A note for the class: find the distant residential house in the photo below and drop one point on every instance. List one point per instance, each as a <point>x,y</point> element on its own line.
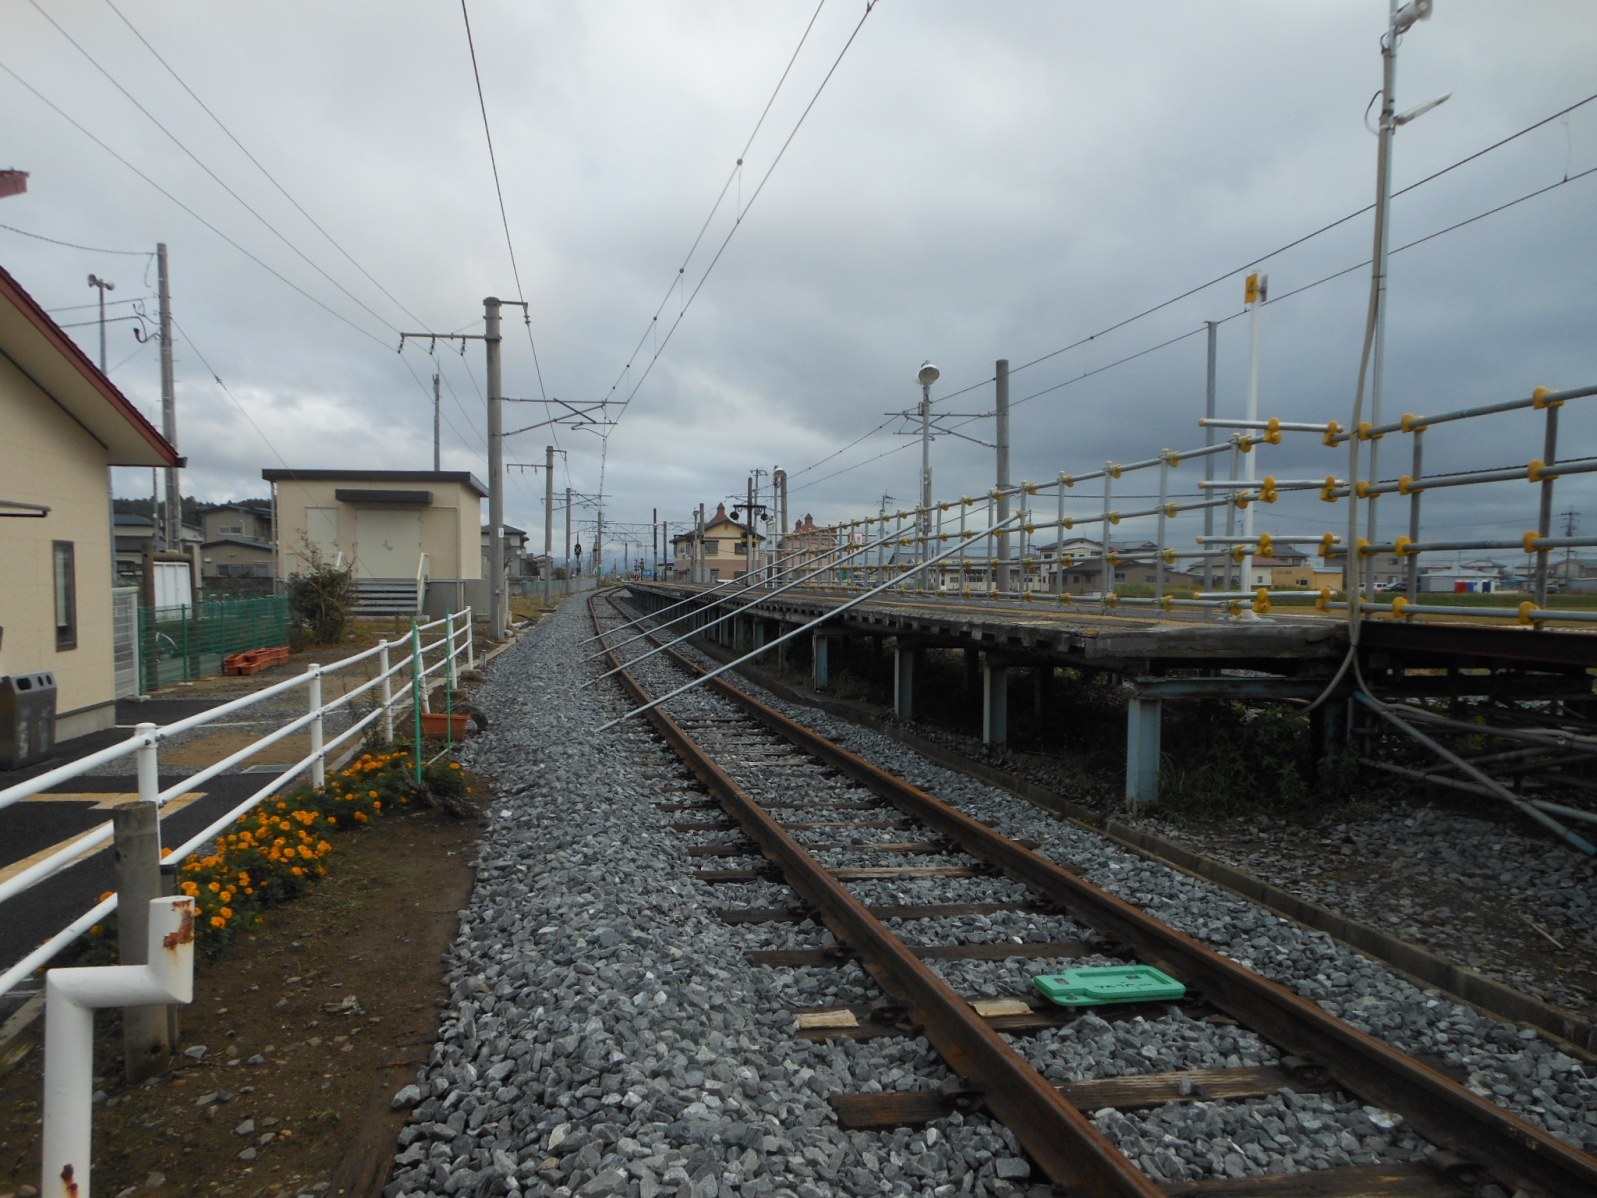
<point>411,537</point>
<point>517,564</point>
<point>65,424</point>
<point>717,553</point>
<point>239,550</point>
<point>135,544</point>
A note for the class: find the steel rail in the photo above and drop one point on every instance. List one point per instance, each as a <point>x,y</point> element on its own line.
<point>1057,1136</point>
<point>1512,1148</point>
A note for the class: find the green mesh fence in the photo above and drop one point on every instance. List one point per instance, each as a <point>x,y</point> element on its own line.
<point>179,644</point>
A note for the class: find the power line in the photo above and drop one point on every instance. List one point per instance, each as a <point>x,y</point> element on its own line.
<point>1194,332</point>
<point>256,162</point>
<point>217,179</point>
<point>1293,244</point>
<point>71,245</point>
<point>38,95</point>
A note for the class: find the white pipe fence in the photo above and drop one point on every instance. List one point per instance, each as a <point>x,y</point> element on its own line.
<point>395,684</point>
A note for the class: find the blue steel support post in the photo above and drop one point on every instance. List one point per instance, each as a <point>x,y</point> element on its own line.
<point>904,657</point>
<point>994,703</point>
<point>1142,749</point>
<point>821,668</point>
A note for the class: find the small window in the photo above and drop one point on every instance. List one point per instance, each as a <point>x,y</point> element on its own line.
<point>711,548</point>
<point>66,596</point>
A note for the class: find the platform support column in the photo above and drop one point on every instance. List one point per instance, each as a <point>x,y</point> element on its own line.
<point>994,703</point>
<point>758,634</point>
<point>1142,749</point>
<point>905,658</point>
<point>820,670</point>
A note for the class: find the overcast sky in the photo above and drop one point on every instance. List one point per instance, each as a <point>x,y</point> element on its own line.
<point>975,181</point>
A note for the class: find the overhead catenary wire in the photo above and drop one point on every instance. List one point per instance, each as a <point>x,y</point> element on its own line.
<point>1293,244</point>
<point>653,324</point>
<point>499,191</point>
<point>1321,281</point>
<point>1279,298</point>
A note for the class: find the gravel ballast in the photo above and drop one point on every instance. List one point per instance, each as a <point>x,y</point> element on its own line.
<point>605,1033</point>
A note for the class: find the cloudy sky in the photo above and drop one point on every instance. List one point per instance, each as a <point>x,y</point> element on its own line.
<point>935,179</point>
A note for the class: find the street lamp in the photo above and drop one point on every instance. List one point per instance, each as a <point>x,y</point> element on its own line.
<point>928,375</point>
<point>103,286</point>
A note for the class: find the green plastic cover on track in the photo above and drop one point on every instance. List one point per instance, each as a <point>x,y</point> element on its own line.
<point>1095,985</point>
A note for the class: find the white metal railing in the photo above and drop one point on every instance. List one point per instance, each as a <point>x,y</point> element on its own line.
<point>398,682</point>
<point>422,574</point>
<point>1222,563</point>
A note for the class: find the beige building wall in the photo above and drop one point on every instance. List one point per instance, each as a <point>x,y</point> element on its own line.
<point>46,457</point>
<point>450,525</point>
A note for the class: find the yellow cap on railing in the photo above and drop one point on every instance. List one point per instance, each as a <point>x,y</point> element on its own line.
<point>1532,542</point>
<point>1323,603</point>
<point>1327,544</point>
<point>1261,601</point>
<point>1330,485</point>
<point>1266,545</point>
<point>1268,491</point>
<point>1400,608</point>
<point>1412,423</point>
<point>1272,431</point>
<point>1333,433</point>
<point>1168,602</point>
<point>1534,470</point>
<point>1405,484</point>
<point>1404,547</point>
<point>1526,612</point>
<point>1538,399</point>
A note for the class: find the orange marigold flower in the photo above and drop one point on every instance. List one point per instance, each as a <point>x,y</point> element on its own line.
<point>361,816</point>
<point>213,887</point>
<point>227,913</point>
<point>371,794</point>
<point>218,922</point>
<point>297,871</point>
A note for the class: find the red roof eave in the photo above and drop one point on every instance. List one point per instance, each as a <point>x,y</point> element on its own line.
<point>11,290</point>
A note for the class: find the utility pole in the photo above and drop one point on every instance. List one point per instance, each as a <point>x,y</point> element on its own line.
<point>567,558</point>
<point>437,448</point>
<point>654,539</point>
<point>496,473</point>
<point>103,286</point>
<point>1001,441</point>
<point>748,540</point>
<point>174,500</point>
<point>1208,461</point>
<point>1568,517</point>
<point>1256,292</point>
<point>928,375</point>
<point>548,524</point>
<point>596,560</point>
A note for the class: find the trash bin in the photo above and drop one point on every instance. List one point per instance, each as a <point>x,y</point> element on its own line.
<point>27,718</point>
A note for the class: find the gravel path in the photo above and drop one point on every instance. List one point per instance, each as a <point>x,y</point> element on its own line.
<point>605,1033</point>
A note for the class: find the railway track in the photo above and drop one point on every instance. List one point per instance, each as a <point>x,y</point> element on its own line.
<point>781,803</point>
